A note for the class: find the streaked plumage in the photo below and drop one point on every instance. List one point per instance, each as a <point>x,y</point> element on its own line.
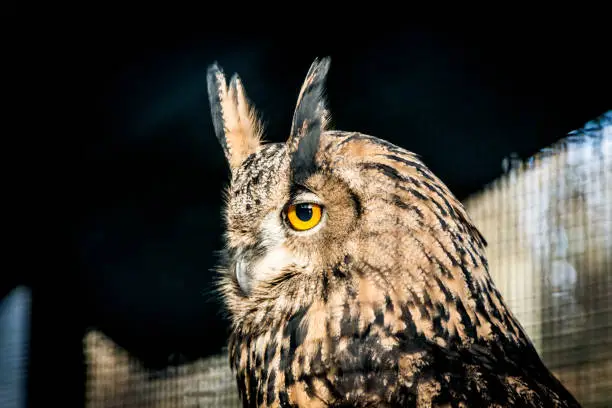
<point>386,302</point>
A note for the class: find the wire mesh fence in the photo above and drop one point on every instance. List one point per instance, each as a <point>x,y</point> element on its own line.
<point>548,222</point>
<point>115,379</point>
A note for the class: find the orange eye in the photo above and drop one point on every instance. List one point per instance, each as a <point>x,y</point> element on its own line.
<point>303,216</point>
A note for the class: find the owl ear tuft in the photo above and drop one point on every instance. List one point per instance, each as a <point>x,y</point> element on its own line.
<point>309,119</point>
<point>234,119</point>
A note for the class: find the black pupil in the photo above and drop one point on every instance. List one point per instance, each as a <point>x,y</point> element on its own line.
<point>303,211</point>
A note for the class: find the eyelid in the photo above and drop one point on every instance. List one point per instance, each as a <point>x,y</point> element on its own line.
<point>306,197</point>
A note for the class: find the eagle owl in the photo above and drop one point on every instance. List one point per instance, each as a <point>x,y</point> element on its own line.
<point>353,277</point>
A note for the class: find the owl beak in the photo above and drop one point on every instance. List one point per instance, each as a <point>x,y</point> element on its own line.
<point>242,273</point>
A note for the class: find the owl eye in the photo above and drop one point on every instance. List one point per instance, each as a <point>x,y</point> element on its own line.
<point>303,216</point>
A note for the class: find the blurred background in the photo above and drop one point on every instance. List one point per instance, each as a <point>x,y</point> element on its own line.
<point>120,178</point>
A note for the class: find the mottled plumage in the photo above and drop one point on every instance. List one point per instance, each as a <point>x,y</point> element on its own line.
<point>386,302</point>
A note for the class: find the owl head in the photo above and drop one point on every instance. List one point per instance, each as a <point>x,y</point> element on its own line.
<point>333,236</point>
<point>324,200</point>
